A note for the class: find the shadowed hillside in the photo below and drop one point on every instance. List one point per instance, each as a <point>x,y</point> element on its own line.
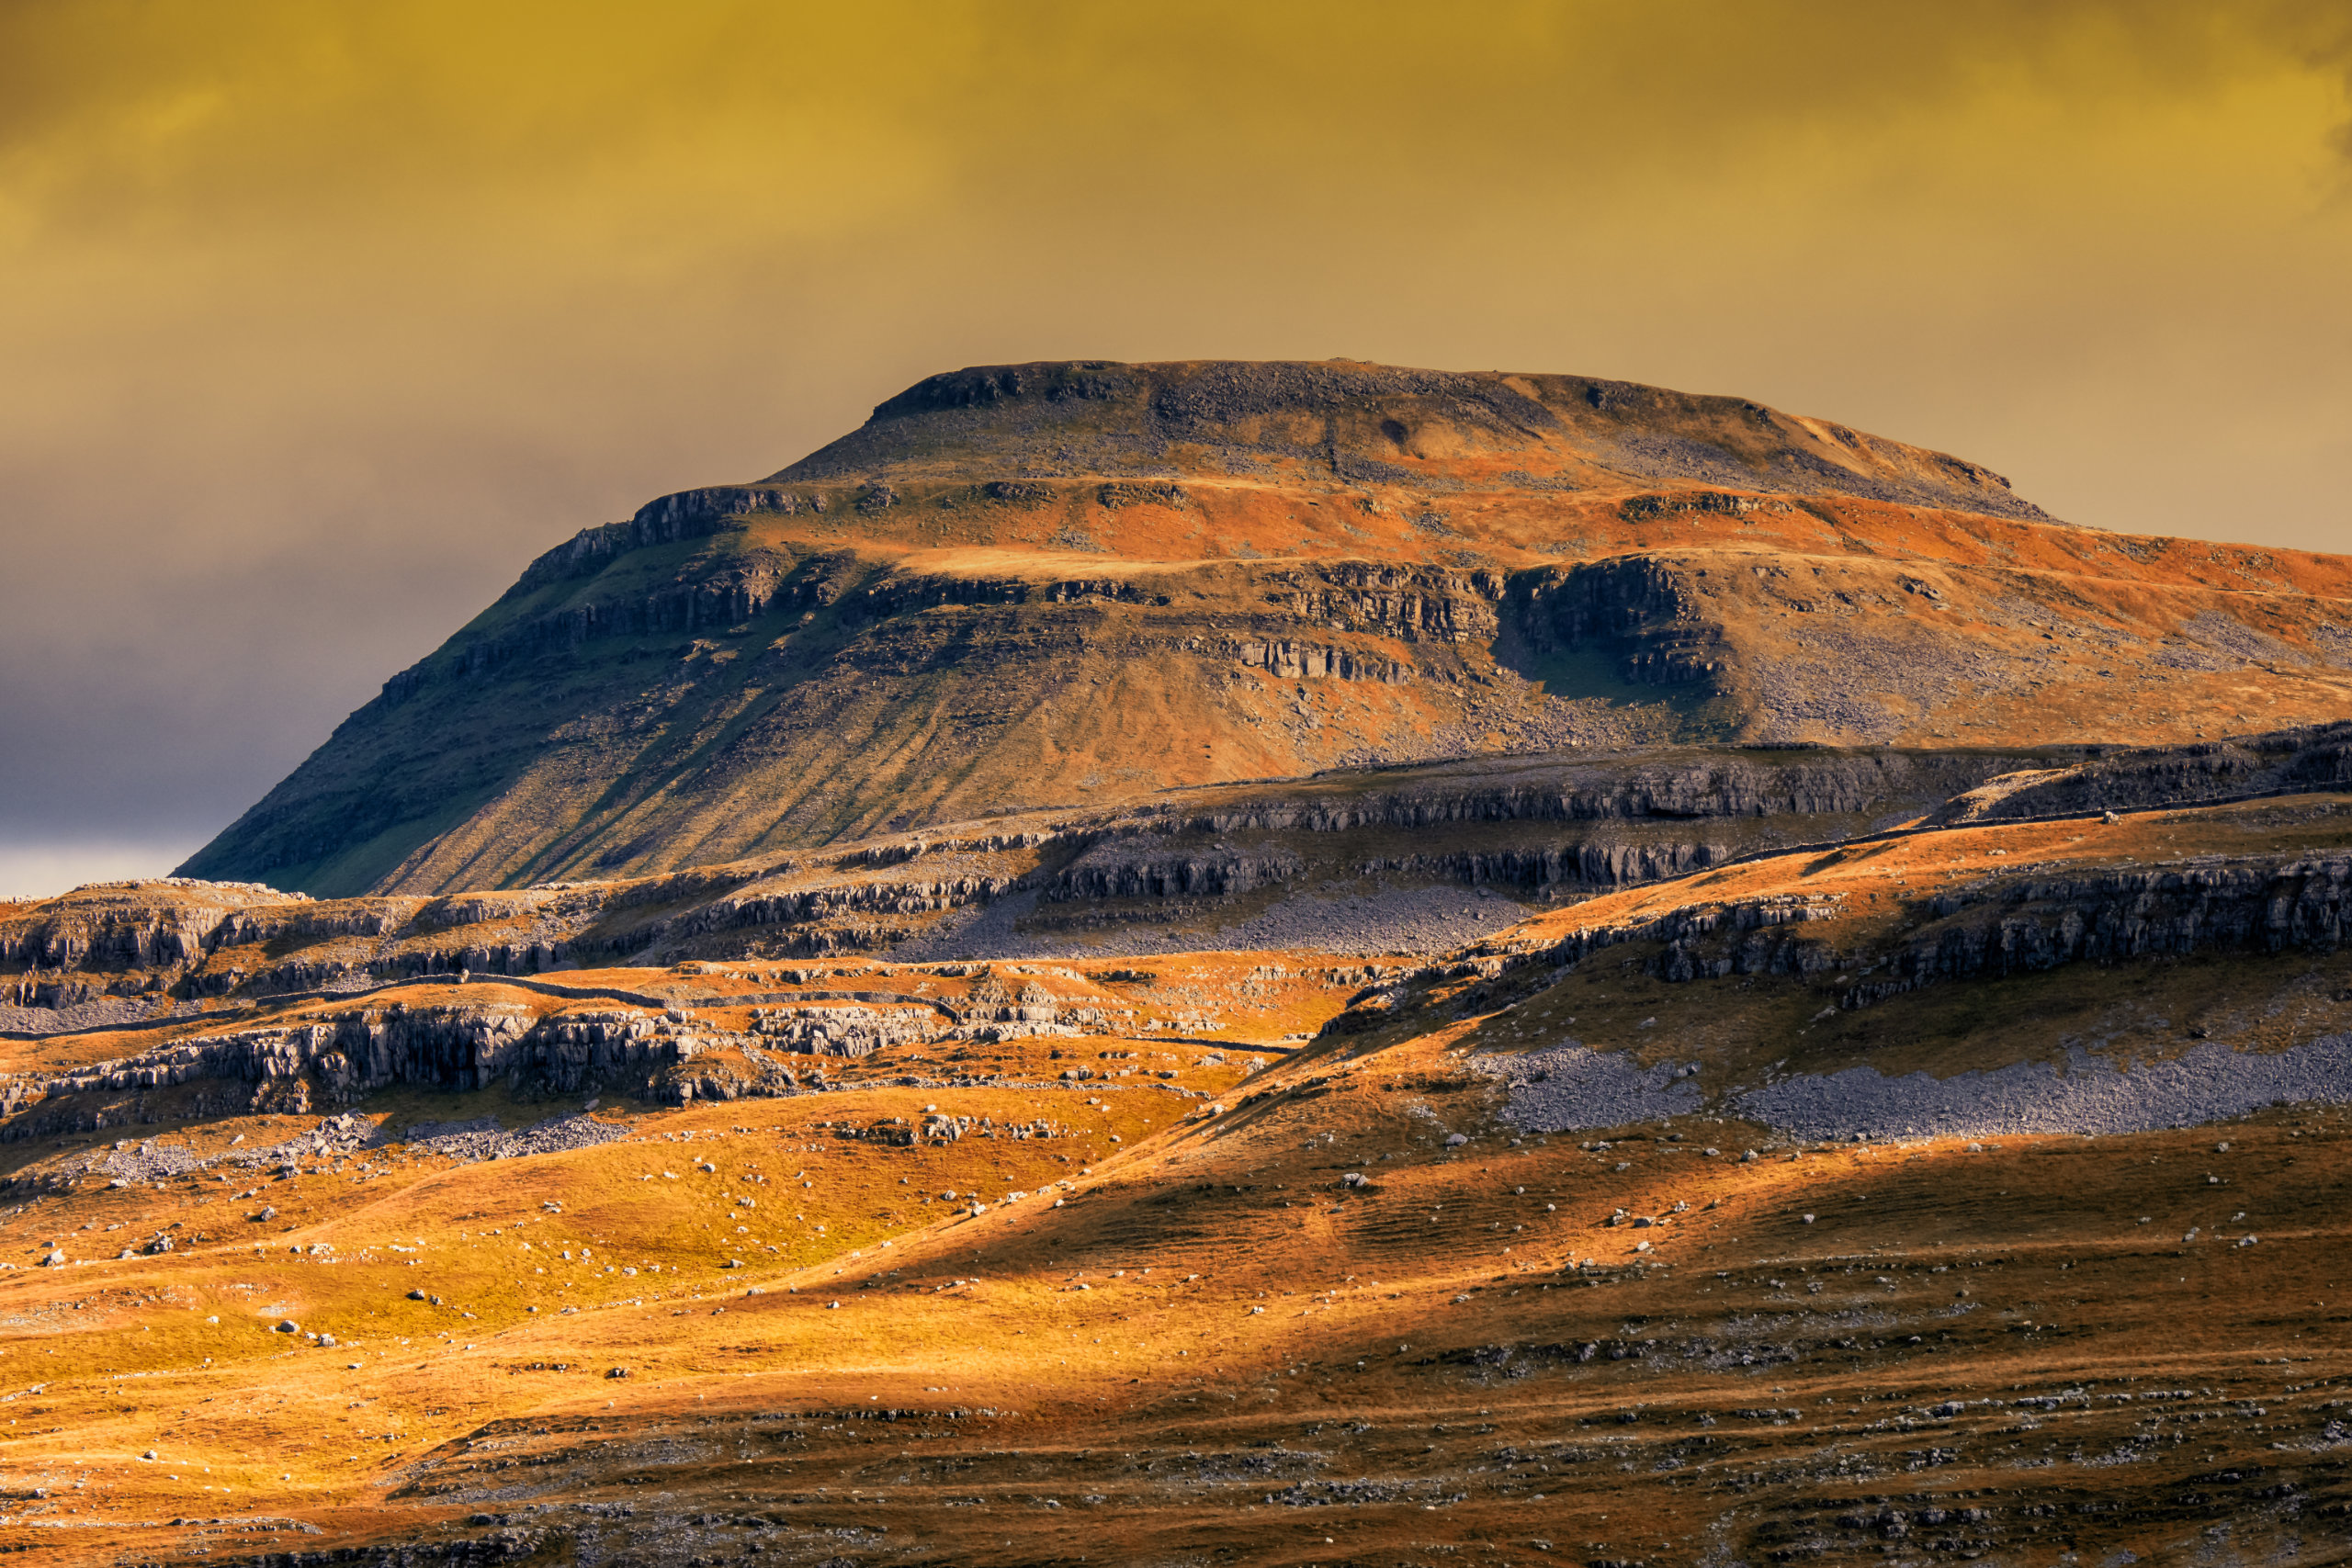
<point>1032,586</point>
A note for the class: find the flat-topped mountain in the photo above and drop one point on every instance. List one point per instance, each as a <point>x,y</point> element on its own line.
<point>1313,424</point>
<point>1028,586</point>
<point>1473,926</point>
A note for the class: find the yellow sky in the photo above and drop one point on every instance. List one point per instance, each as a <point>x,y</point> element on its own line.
<point>320,319</point>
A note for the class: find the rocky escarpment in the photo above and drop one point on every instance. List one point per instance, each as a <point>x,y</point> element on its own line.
<point>1566,830</point>
<point>1540,828</point>
<point>2006,927</point>
<point>861,593</point>
<point>1685,784</point>
<point>668,1055</point>
<point>1548,828</point>
<point>688,515</point>
<point>2267,905</point>
<point>1998,928</point>
<point>163,924</point>
<point>2317,757</point>
<point>1650,617</point>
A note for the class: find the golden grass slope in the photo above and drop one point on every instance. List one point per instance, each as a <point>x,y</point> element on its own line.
<point>1212,1345</point>
<point>1203,1340</point>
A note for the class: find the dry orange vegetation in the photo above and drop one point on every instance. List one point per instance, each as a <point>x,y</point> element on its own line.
<point>1199,1341</point>
<point>1458,1356</point>
<point>1196,964</point>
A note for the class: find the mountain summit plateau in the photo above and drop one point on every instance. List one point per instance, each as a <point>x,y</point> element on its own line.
<point>1026,586</point>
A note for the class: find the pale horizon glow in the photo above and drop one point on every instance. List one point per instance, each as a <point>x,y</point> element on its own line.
<point>34,871</point>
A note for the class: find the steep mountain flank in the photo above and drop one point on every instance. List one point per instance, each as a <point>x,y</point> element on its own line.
<point>1020,587</point>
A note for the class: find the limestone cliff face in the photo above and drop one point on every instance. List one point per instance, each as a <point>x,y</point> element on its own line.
<point>142,926</point>
<point>1030,586</point>
<point>2313,759</point>
<point>2006,928</point>
<point>1541,829</point>
<point>2001,927</point>
<point>354,1053</point>
<point>2264,905</point>
<point>549,1043</point>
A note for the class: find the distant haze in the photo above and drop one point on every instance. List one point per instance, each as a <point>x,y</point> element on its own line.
<point>319,321</point>
<point>38,866</point>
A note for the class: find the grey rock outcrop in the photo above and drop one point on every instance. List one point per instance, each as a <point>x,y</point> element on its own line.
<point>2204,1083</point>
<point>2310,759</point>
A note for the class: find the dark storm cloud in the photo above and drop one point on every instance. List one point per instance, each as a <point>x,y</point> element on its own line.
<point>319,321</point>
